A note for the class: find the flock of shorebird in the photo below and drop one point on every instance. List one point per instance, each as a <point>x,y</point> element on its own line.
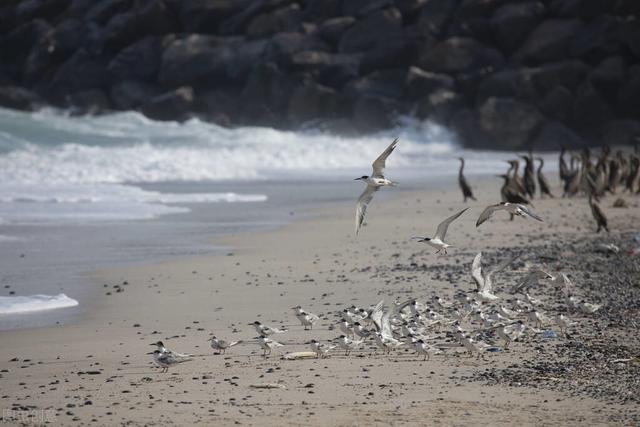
<point>492,318</point>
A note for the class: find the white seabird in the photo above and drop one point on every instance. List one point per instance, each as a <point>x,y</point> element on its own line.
<point>222,345</point>
<point>374,182</point>
<point>166,360</point>
<point>484,284</point>
<point>513,208</point>
<point>306,319</point>
<point>437,241</point>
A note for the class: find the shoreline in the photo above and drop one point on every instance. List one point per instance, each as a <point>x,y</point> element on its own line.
<point>317,263</point>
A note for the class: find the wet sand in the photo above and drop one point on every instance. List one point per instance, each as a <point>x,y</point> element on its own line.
<point>97,371</point>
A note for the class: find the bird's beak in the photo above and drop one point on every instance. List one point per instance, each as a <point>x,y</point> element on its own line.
<point>152,344</point>
<point>151,352</point>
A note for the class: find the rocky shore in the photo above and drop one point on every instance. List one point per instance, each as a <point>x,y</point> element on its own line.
<point>502,74</point>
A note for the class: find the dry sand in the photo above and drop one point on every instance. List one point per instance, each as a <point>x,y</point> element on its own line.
<point>97,371</point>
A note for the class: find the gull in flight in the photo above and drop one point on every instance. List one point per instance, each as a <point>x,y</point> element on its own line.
<point>513,208</point>
<point>166,360</point>
<point>374,182</point>
<point>437,241</point>
<point>222,345</point>
<point>307,319</point>
<point>484,284</point>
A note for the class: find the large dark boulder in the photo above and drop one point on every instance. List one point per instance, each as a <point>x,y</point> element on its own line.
<point>204,16</point>
<point>420,83</point>
<point>321,10</point>
<point>282,47</point>
<point>478,8</point>
<point>331,69</point>
<point>590,108</point>
<point>508,83</point>
<point>629,34</point>
<point>16,46</point>
<point>174,105</point>
<point>266,95</point>
<point>237,24</point>
<point>608,76</point>
<point>332,29</point>
<point>19,98</point>
<point>460,54</point>
<point>146,17</point>
<point>549,41</point>
<point>553,135</point>
<point>512,22</point>
<point>436,16</point>
<point>139,61</point>
<point>397,50</point>
<point>208,60</point>
<point>564,73</point>
<point>596,40</point>
<point>382,83</point>
<point>440,105</point>
<point>129,94</point>
<point>372,31</point>
<point>621,132</point>
<point>508,122</point>
<point>311,101</point>
<point>557,104</point>
<point>362,8</point>
<point>101,12</point>
<point>80,72</point>
<point>629,95</point>
<point>585,9</point>
<point>285,19</point>
<point>88,102</point>
<point>39,9</point>
<point>373,113</point>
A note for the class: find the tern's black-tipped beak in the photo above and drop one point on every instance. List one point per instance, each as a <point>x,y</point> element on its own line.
<point>151,352</point>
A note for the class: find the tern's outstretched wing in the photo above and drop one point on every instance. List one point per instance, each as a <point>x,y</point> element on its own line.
<point>385,329</point>
<point>476,272</point>
<point>530,280</point>
<point>363,202</point>
<point>530,213</point>
<point>488,282</point>
<point>379,164</point>
<point>487,212</point>
<point>441,232</point>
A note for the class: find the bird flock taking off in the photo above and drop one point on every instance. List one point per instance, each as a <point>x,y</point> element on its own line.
<point>478,320</point>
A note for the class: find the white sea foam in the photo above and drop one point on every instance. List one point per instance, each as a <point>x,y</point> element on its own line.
<point>27,304</point>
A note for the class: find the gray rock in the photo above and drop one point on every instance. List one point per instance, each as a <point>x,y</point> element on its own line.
<point>311,101</point>
<point>621,132</point>
<point>508,122</point>
<point>209,60</point>
<point>372,31</point>
<point>554,135</point>
<point>440,106</point>
<point>420,83</point>
<point>397,50</point>
<point>608,76</point>
<point>139,61</point>
<point>174,105</point>
<point>129,95</point>
<point>15,46</point>
<point>104,10</point>
<point>237,23</point>
<point>629,95</point>
<point>332,29</point>
<point>285,19</point>
<point>549,41</point>
<point>266,95</point>
<point>565,73</point>
<point>475,8</point>
<point>282,47</point>
<point>39,9</point>
<point>580,8</point>
<point>204,16</point>
<point>374,113</point>
<point>88,102</point>
<point>460,54</point>
<point>508,83</point>
<point>321,10</point>
<point>590,109</point>
<point>80,72</point>
<point>436,16</point>
<point>596,39</point>
<point>19,98</point>
<point>331,69</point>
<point>147,17</point>
<point>382,83</point>
<point>362,8</point>
<point>629,35</point>
<point>512,22</point>
<point>557,104</point>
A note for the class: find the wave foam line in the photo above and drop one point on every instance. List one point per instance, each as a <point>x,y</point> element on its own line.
<point>28,304</point>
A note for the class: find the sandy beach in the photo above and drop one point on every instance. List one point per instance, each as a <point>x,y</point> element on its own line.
<point>98,371</point>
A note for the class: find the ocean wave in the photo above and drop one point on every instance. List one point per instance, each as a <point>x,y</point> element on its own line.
<point>127,147</point>
<point>27,304</point>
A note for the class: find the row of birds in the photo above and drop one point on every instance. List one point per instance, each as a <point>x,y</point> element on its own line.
<point>411,324</point>
<point>581,176</point>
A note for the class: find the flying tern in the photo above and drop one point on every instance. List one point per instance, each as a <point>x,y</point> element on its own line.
<point>437,241</point>
<point>513,208</point>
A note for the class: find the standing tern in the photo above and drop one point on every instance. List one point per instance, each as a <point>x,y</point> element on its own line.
<point>348,344</point>
<point>513,208</point>
<point>321,350</point>
<point>374,182</point>
<point>267,344</point>
<point>178,356</point>
<point>166,360</point>
<point>222,345</point>
<point>437,241</point>
<point>307,319</point>
<point>266,330</point>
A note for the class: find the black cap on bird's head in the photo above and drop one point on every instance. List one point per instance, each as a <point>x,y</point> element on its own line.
<point>342,336</point>
<point>362,178</point>
<point>420,341</point>
<point>257,322</point>
<point>159,344</point>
